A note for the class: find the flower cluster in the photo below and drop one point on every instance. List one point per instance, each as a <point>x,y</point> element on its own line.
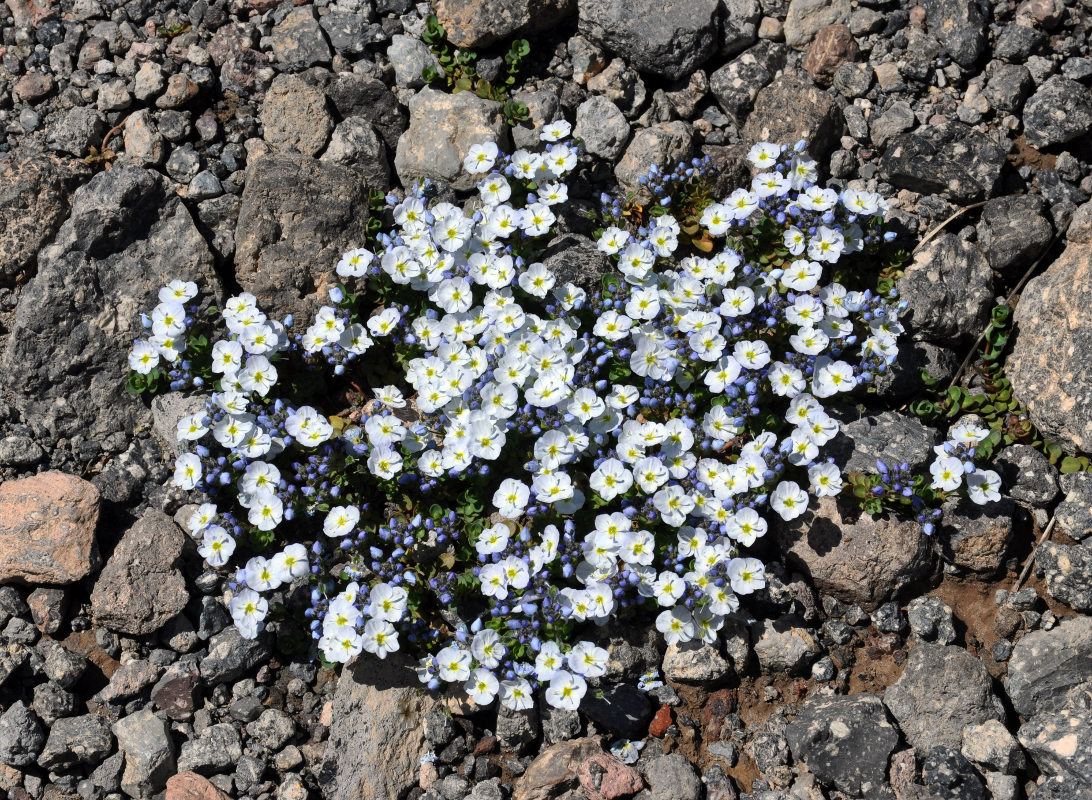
<point>552,455</point>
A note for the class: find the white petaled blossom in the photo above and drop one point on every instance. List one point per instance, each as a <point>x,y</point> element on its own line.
<point>467,417</point>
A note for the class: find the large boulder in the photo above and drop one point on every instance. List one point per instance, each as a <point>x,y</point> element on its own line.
<point>1051,362</point>
<point>127,236</point>
<point>140,588</point>
<point>952,160</point>
<point>376,740</point>
<point>47,529</point>
<point>483,22</point>
<point>671,38</point>
<point>298,216</point>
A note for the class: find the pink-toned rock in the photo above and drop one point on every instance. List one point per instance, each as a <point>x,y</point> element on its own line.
<point>428,776</point>
<point>554,771</point>
<point>604,777</point>
<point>191,786</point>
<point>47,529</point>
<point>833,46</point>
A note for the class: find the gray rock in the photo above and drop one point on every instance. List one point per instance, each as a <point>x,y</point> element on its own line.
<point>517,729</point>
<point>107,775</point>
<point>1013,232</point>
<point>203,186</point>
<point>769,750</point>
<point>672,777</point>
<point>664,144</point>
<point>790,109</point>
<point>356,144</point>
<point>889,436</point>
<point>807,17</point>
<point>543,107</point>
<point>961,26</point>
<point>949,291</point>
<point>167,410</point>
<point>1009,86</point>
<point>20,451</point>
<point>76,741</point>
<point>931,620</point>
<point>977,537</point>
<point>1028,476</point>
<point>993,748</point>
<point>1016,42</point>
<point>410,57</point>
<point>273,729</point>
<point>670,38</point>
<point>360,96</point>
<point>902,380</point>
<point>376,741</point>
<point>145,146</point>
<point>286,259</point>
<point>602,126</point>
<point>481,24</point>
<point>785,645</point>
<point>230,656</point>
<point>1074,513</point>
<point>349,32</point>
<point>852,80</point>
<point>294,117</point>
<point>61,666</point>
<point>149,753</point>
<point>75,132</point>
<point>1067,572</point>
<point>126,237</point>
<point>51,702</point>
<point>216,749</point>
<point>951,160</point>
<point>148,82</point>
<point>141,587</point>
<point>250,772</point>
<point>942,690</point>
<point>1059,112</point>
<point>695,662</point>
<point>298,41</point>
<point>889,618</point>
<point>442,129</point>
<point>623,709</point>
<point>898,118</point>
<point>844,741</point>
<point>21,736</point>
<point>1050,365</point>
<point>559,724</point>
<point>739,26</point>
<point>736,85</point>
<point>576,259</point>
<point>1060,743</point>
<point>130,680</point>
<point>1045,664</point>
<point>183,164</point>
<point>948,775</point>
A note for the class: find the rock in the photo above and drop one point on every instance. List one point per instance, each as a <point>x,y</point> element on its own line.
<point>1067,572</point>
<point>624,87</point>
<point>664,144</point>
<point>140,588</point>
<point>216,749</point>
<point>376,741</point>
<point>948,775</point>
<point>298,42</point>
<point>844,741</point>
<point>602,126</point>
<point>1050,365</point>
<point>574,258</point>
<point>856,557</point>
<point>1009,86</point>
<point>442,129</point>
<point>483,23</point>
<point>898,118</point>
<point>51,702</point>
<point>976,537</point>
<point>130,680</point>
<point>604,777</point>
<point>833,46</point>
<point>144,144</point>
<point>62,666</point>
<point>931,620</point>
<point>230,656</point>
<point>951,160</point>
<point>76,740</point>
<point>148,82</point>
<point>622,710</point>
<point>127,236</point>
<point>559,724</point>
<point>33,87</point>
<point>287,259</point>
<point>167,410</point>
<point>1045,664</point>
<point>790,109</point>
<point>410,57</point>
<point>1028,477</point>
<point>1059,112</point>
<point>75,132</point>
<point>1060,743</point>
<point>203,186</point>
<point>961,27</point>
<point>34,195</point>
<point>180,91</point>
<point>738,26</point>
<point>942,690</point>
<point>47,608</point>
<point>294,117</point>
<point>806,18</point>
<point>785,645</point>
<point>543,107</point>
<point>21,736</point>
<point>889,436</point>
<point>177,691</point>
<point>736,85</point>
<point>47,529</point>
<point>517,729</point>
<point>949,289</point>
<point>993,748</point>
<point>1074,513</point>
<point>360,96</point>
<point>149,753</point>
<point>670,39</point>
<point>1013,232</point>
<point>673,777</point>
<point>852,80</point>
<point>902,380</point>
<point>191,786</point>
<point>554,770</point>
<point>356,144</point>
<point>273,729</point>
<point>695,662</point>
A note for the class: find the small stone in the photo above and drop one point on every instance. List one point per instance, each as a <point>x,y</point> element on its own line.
<point>33,87</point>
<point>931,620</point>
<point>602,126</point>
<point>889,618</point>
<point>72,741</point>
<point>149,753</point>
<point>1067,572</point>
<point>143,141</point>
<point>949,290</point>
<point>1059,112</point>
<point>833,46</point>
<point>664,144</point>
<point>61,666</point>
<point>114,96</point>
<point>47,608</point>
<point>806,18</point>
<point>356,144</point>
<point>230,656</point>
<point>1074,513</point>
<point>790,109</point>
<point>1060,744</point>
<point>672,777</point>
<point>992,747</point>
<point>180,91</point>
<point>22,736</point>
<point>129,681</point>
<point>203,186</point>
<point>950,776</point>
<point>298,41</point>
<point>604,777</point>
<point>148,82</point>
<point>294,116</point>
<point>785,645</point>
<point>554,771</point>
<point>273,729</point>
<point>191,786</point>
<point>410,57</point>
<point>216,749</point>
<point>852,80</point>
<point>482,23</point>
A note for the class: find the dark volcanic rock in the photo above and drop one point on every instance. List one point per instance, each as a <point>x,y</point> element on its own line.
<point>1047,664</point>
<point>481,24</point>
<point>791,109</point>
<point>1013,232</point>
<point>951,160</point>
<point>1067,571</point>
<point>1059,112</point>
<point>949,291</point>
<point>961,26</point>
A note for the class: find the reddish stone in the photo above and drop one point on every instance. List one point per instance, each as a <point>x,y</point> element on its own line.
<point>834,45</point>
<point>47,529</point>
<point>47,607</point>
<point>487,744</point>
<point>604,777</point>
<point>661,722</point>
<point>191,786</point>
<point>717,707</point>
<point>33,87</point>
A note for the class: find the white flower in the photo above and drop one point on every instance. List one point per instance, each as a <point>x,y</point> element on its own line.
<point>983,486</point>
<point>143,358</point>
<point>481,158</point>
<point>826,479</point>
<point>248,609</point>
<point>511,498</point>
<point>676,624</point>
<point>266,511</point>
<point>516,694</point>
<point>763,154</point>
<point>566,690</point>
<point>453,664</point>
<point>548,661</point>
<point>341,645</point>
<point>482,686</point>
<point>487,648</point>
<point>340,521</point>
<point>588,659</point>
<point>947,472</point>
<point>291,563</point>
<point>387,602</point>
<point>380,637</point>
<point>746,575</point>
<point>788,500</point>
<point>556,130</point>
<point>187,471</point>
<point>216,546</point>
